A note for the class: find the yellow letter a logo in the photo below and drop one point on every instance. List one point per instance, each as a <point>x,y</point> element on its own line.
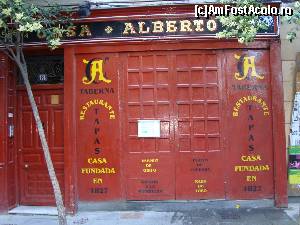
<point>94,67</point>
<point>245,63</point>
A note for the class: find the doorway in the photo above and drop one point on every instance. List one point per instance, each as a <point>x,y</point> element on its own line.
<point>182,89</point>
<point>46,77</point>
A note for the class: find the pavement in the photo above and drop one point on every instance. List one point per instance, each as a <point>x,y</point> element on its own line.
<point>164,213</point>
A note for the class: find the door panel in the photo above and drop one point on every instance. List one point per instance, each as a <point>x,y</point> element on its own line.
<point>97,143</point>
<point>199,154</point>
<point>150,168</point>
<point>11,141</point>
<point>182,90</point>
<point>250,153</point>
<point>35,185</point>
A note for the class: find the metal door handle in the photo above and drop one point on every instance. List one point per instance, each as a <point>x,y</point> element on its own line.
<point>26,166</point>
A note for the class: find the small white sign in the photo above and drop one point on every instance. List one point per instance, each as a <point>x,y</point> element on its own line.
<point>295,122</point>
<point>148,128</point>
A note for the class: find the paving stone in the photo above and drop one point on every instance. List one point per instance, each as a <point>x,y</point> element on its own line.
<point>192,216</point>
<point>284,222</point>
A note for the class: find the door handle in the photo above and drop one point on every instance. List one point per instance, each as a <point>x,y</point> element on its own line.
<point>26,166</point>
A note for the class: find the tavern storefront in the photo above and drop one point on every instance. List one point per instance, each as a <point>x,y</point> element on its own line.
<point>146,104</point>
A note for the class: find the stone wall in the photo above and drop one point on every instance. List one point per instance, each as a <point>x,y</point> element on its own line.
<point>290,56</point>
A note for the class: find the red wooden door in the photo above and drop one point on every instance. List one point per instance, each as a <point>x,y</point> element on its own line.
<point>34,183</point>
<point>199,149</point>
<point>149,162</point>
<point>182,89</point>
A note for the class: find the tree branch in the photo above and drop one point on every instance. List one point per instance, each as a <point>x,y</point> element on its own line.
<point>21,50</point>
<point>22,57</point>
<point>7,46</point>
<point>6,53</point>
<point>18,45</point>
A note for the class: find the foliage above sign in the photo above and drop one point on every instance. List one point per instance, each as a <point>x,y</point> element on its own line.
<point>146,28</point>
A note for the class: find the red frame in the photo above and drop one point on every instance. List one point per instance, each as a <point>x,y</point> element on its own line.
<point>3,132</point>
<point>280,164</point>
<point>70,132</point>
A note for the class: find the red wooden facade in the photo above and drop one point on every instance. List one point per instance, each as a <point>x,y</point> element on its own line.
<point>219,105</point>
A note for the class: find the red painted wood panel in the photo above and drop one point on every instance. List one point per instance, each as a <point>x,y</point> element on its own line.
<point>3,132</point>
<point>70,155</point>
<point>11,141</point>
<point>181,89</point>
<point>8,196</point>
<point>97,119</point>
<point>149,162</point>
<point>280,174</point>
<point>199,147</point>
<point>249,117</point>
<point>34,185</point>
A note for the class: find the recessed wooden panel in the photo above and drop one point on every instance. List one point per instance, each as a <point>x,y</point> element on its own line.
<point>133,78</point>
<point>45,117</point>
<point>202,176</point>
<point>163,94</point>
<point>211,76</point>
<point>58,128</point>
<point>147,61</point>
<point>198,110</point>
<point>148,78</point>
<point>197,60</point>
<point>163,111</point>
<point>27,128</point>
<point>162,77</point>
<point>134,95</point>
<point>183,110</point>
<point>197,77</point>
<point>198,93</point>
<point>134,111</point>
<point>147,94</point>
<point>212,93</point>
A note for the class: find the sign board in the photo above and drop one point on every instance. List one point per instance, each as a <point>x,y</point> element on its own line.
<point>294,149</point>
<point>294,176</point>
<point>163,27</point>
<point>294,165</point>
<point>148,128</point>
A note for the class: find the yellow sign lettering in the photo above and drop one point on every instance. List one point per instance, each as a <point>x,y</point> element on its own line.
<point>250,178</point>
<point>129,29</point>
<point>245,65</point>
<point>94,67</point>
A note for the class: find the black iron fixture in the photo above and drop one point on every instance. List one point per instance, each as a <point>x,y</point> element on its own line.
<point>84,10</point>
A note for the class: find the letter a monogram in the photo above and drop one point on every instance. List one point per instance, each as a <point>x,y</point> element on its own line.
<point>94,67</point>
<point>246,63</point>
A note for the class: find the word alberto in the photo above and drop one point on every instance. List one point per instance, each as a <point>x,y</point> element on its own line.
<point>226,10</point>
